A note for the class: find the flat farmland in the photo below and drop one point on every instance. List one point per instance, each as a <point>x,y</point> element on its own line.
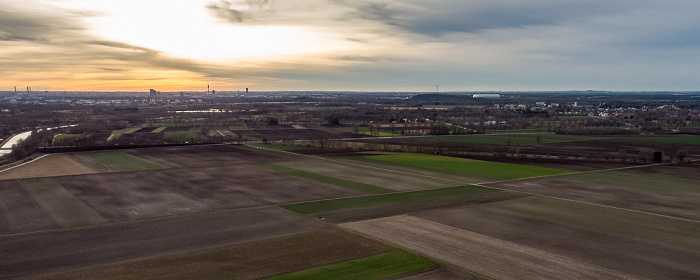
<point>247,260</point>
<point>200,156</point>
<point>492,257</point>
<point>609,241</point>
<point>516,139</point>
<point>674,196</point>
<point>19,212</point>
<point>384,176</point>
<point>50,165</point>
<point>59,251</point>
<point>135,195</point>
<point>495,170</point>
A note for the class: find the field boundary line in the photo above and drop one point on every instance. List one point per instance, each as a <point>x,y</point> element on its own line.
<point>367,166</point>
<point>593,203</point>
<point>509,190</point>
<point>146,219</point>
<point>13,167</point>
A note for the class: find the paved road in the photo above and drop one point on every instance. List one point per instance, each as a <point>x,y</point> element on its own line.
<point>40,253</point>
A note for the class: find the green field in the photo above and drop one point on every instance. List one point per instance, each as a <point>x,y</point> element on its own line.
<point>326,179</point>
<point>383,199</point>
<point>182,135</point>
<point>278,147</point>
<point>633,180</point>
<point>123,161</point>
<point>695,140</point>
<point>238,127</point>
<point>380,132</point>
<point>496,170</point>
<point>380,266</point>
<point>516,139</point>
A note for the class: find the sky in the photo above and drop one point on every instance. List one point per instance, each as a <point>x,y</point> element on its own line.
<point>350,45</point>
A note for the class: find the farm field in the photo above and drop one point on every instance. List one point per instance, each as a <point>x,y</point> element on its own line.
<point>122,161</point>
<point>326,179</point>
<point>495,170</point>
<point>60,251</point>
<point>479,253</point>
<point>48,166</point>
<point>384,176</point>
<point>176,191</point>
<point>695,140</point>
<point>282,254</point>
<point>626,189</point>
<point>511,139</point>
<point>213,211</point>
<point>383,199</point>
<point>380,266</point>
<point>201,156</point>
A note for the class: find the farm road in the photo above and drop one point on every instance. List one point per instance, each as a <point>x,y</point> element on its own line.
<point>23,255</point>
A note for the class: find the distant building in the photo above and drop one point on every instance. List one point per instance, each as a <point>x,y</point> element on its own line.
<point>487,95</point>
<point>154,93</point>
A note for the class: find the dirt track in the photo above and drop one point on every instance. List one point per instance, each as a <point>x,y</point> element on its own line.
<point>480,253</point>
<point>56,251</point>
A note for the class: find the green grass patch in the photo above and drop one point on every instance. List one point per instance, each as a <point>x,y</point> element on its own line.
<point>379,132</point>
<point>187,135</point>
<point>123,161</point>
<point>323,178</point>
<point>238,127</point>
<point>523,139</point>
<point>160,129</point>
<point>278,147</point>
<point>380,266</point>
<point>695,140</point>
<point>496,170</point>
<point>383,199</point>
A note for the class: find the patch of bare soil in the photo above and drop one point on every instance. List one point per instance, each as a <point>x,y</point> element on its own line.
<point>59,251</point>
<point>640,200</point>
<point>200,156</point>
<point>19,212</point>
<point>485,255</point>
<point>614,252</point>
<point>249,260</point>
<point>683,170</point>
<point>134,195</point>
<point>48,166</point>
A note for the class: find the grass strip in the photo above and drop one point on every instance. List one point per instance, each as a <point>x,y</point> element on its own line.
<point>160,129</point>
<point>326,179</point>
<point>123,161</point>
<point>238,127</point>
<point>496,170</point>
<point>376,200</point>
<point>380,266</point>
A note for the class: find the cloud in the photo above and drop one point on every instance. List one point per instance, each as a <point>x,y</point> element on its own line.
<point>222,9</point>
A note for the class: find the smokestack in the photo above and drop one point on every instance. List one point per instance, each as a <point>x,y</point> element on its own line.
<point>15,90</point>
